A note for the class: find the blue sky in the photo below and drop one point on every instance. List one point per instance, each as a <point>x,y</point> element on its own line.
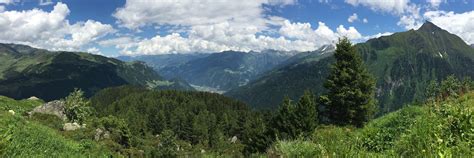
<point>134,27</point>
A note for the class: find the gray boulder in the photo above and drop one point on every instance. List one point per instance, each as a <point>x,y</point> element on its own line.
<point>101,134</point>
<point>55,107</point>
<point>71,126</point>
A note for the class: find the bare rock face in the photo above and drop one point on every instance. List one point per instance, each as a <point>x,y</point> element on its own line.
<point>71,126</point>
<point>55,107</point>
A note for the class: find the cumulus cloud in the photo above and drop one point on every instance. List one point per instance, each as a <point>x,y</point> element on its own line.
<point>388,6</point>
<point>224,36</point>
<point>94,50</point>
<point>2,8</point>
<point>350,33</point>
<point>45,2</point>
<point>365,38</point>
<point>49,30</point>
<point>214,26</point>
<point>365,20</point>
<point>435,3</point>
<point>408,12</point>
<point>352,18</point>
<point>138,13</point>
<point>6,1</point>
<point>460,24</point>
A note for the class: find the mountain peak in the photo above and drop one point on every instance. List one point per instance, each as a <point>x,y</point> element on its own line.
<point>429,26</point>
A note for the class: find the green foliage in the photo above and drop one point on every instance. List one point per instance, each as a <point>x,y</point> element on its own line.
<point>118,129</point>
<point>449,87</point>
<point>350,99</point>
<point>168,146</point>
<point>203,120</point>
<point>294,120</point>
<point>19,106</point>
<point>77,108</point>
<point>22,138</point>
<point>437,129</point>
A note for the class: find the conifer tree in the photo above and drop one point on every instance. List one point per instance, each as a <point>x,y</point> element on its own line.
<point>306,113</point>
<point>350,98</point>
<point>283,121</point>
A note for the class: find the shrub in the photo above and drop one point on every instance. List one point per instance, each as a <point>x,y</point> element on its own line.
<point>77,107</point>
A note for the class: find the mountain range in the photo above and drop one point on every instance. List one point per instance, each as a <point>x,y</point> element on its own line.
<point>216,72</point>
<point>403,64</point>
<point>27,71</point>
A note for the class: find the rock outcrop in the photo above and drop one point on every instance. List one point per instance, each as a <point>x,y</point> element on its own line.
<point>55,107</point>
<point>72,126</point>
<point>101,134</point>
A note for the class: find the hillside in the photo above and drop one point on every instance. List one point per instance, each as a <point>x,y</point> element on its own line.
<point>26,71</point>
<point>226,70</point>
<point>403,63</point>
<point>436,129</point>
<point>23,136</point>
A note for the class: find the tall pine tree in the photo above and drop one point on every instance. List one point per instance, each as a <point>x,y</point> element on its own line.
<point>306,113</point>
<point>350,98</point>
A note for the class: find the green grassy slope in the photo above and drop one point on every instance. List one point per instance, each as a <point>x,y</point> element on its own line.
<point>21,136</point>
<point>442,129</point>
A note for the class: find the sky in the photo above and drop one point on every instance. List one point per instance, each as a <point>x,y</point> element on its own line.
<point>148,27</point>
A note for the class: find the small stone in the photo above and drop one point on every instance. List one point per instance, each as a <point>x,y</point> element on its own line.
<point>33,98</point>
<point>234,139</point>
<point>11,112</point>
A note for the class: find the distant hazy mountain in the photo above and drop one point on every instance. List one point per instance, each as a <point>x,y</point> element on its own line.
<point>472,45</point>
<point>226,70</point>
<point>26,71</point>
<point>403,63</point>
<point>158,62</point>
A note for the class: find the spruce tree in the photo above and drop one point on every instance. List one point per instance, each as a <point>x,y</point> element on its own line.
<point>350,97</point>
<point>283,122</point>
<point>306,113</point>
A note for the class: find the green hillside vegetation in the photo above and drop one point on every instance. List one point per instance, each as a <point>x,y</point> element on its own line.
<point>435,129</point>
<point>172,123</point>
<point>196,120</point>
<point>39,135</point>
<point>26,72</point>
<point>403,64</point>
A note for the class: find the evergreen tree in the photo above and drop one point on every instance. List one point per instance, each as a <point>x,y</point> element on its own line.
<point>350,98</point>
<point>306,113</point>
<point>283,121</point>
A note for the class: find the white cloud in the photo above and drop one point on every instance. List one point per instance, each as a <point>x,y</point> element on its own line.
<point>49,30</point>
<point>350,33</point>
<point>365,38</point>
<point>365,20</point>
<point>94,50</point>
<point>435,3</point>
<point>388,6</point>
<point>353,18</point>
<point>214,26</point>
<point>45,2</point>
<point>2,8</point>
<point>138,13</point>
<point>461,24</point>
<point>6,1</point>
